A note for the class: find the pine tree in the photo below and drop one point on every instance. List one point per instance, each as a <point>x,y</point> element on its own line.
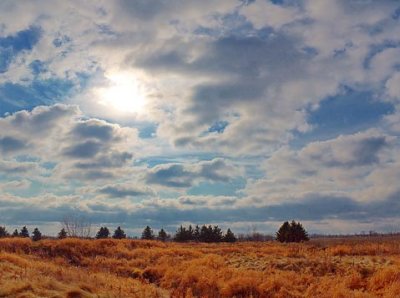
<point>298,231</point>
<point>103,233</point>
<point>62,234</point>
<point>36,235</point>
<point>148,233</point>
<point>180,235</point>
<point>3,232</point>
<point>293,232</point>
<point>283,233</point>
<point>162,235</point>
<point>229,236</point>
<point>205,233</point>
<point>196,233</point>
<point>119,234</point>
<point>15,233</point>
<point>190,233</point>
<point>24,232</point>
<point>216,234</point>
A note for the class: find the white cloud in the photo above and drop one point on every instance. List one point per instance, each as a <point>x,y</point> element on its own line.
<point>257,68</point>
<point>346,166</point>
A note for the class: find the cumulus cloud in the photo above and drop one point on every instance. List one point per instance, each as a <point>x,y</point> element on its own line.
<point>122,191</point>
<point>10,144</point>
<point>338,167</point>
<point>17,168</point>
<point>79,148</point>
<point>186,175</point>
<point>239,79</point>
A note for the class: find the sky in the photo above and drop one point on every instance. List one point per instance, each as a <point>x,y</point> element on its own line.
<point>242,114</point>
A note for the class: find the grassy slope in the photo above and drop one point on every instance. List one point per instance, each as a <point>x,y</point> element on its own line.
<point>127,268</point>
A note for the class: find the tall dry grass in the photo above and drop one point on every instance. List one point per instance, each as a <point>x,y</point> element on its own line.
<point>129,268</point>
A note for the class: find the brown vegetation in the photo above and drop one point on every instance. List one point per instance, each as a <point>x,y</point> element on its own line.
<point>137,268</point>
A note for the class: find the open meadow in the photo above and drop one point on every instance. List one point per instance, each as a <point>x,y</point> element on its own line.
<point>136,268</point>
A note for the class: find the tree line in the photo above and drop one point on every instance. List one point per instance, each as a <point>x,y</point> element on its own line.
<point>288,232</point>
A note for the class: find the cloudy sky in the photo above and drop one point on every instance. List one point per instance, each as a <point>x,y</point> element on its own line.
<point>237,113</point>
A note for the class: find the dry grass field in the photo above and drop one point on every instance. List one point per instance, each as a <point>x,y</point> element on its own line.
<point>132,268</point>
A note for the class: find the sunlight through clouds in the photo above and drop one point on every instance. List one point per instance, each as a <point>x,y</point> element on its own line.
<point>124,94</point>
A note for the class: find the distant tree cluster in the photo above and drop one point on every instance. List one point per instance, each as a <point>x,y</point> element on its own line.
<point>23,233</point>
<point>148,234</point>
<point>104,233</point>
<point>288,232</point>
<point>3,232</point>
<point>203,234</point>
<point>291,232</point>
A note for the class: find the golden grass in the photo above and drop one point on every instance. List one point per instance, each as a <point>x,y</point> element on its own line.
<point>132,268</point>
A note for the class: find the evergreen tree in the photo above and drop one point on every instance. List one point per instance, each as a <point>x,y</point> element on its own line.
<point>36,235</point>
<point>196,233</point>
<point>119,233</point>
<point>62,234</point>
<point>190,233</point>
<point>15,233</point>
<point>162,235</point>
<point>293,232</point>
<point>103,233</point>
<point>205,233</point>
<point>216,234</point>
<point>3,232</point>
<point>24,232</point>
<point>148,233</point>
<point>180,235</point>
<point>298,231</point>
<point>229,236</point>
<point>283,233</point>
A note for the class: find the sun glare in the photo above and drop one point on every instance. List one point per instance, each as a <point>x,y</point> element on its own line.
<point>124,94</point>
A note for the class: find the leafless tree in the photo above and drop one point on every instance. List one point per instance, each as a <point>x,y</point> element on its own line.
<point>76,226</point>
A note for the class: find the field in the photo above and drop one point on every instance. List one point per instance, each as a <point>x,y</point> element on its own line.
<point>134,268</point>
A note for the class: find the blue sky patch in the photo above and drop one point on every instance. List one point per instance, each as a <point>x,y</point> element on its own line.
<point>346,113</point>
<point>218,188</point>
<point>11,46</point>
<point>218,126</point>
<point>14,97</point>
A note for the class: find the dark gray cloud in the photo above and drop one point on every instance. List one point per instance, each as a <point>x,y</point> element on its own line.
<point>16,168</point>
<point>112,160</point>
<point>89,175</point>
<point>361,152</point>
<point>43,118</point>
<point>116,191</point>
<point>144,9</point>
<point>95,129</point>
<point>214,170</point>
<point>367,150</point>
<point>315,208</point>
<point>179,175</point>
<point>10,144</point>
<point>210,99</point>
<point>241,56</point>
<point>87,149</point>
<point>172,175</point>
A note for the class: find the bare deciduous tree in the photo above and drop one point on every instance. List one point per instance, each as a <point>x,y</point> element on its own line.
<point>76,226</point>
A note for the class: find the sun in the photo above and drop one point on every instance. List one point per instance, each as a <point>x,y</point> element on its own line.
<point>124,94</point>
